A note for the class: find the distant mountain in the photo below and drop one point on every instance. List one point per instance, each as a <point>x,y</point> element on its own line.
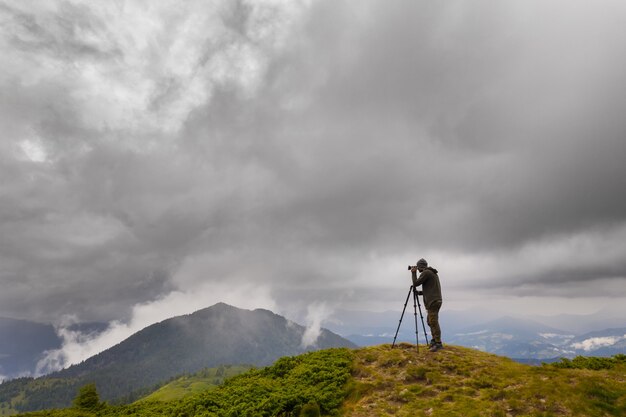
<point>515,338</point>
<point>22,344</point>
<point>528,341</point>
<point>607,342</point>
<point>367,328</point>
<point>218,335</point>
<point>583,323</point>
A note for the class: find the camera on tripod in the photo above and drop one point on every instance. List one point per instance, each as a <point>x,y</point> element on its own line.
<point>416,305</point>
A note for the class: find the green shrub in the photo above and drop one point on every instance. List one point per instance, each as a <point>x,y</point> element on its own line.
<point>87,398</point>
<point>590,362</point>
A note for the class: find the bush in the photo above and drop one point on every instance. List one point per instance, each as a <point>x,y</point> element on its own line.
<point>590,362</point>
<point>87,398</point>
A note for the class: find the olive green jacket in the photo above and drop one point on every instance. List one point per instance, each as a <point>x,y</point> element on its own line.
<point>429,280</point>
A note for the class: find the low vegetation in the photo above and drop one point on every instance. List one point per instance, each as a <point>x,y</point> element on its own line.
<point>464,382</point>
<point>585,362</point>
<point>205,380</point>
<point>310,384</point>
<point>381,381</point>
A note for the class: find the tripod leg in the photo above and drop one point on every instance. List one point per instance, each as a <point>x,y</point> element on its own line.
<point>400,322</point>
<point>415,301</point>
<point>422,317</point>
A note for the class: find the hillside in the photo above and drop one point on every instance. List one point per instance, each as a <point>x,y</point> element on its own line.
<point>218,335</point>
<point>459,381</point>
<point>204,380</point>
<point>314,381</point>
<point>380,381</point>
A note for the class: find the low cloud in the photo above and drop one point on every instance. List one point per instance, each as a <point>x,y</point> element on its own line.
<point>78,346</point>
<point>317,313</point>
<point>597,342</point>
<point>556,336</point>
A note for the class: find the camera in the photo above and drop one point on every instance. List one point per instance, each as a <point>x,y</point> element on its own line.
<point>412,266</point>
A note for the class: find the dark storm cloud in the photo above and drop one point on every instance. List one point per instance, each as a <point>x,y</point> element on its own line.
<point>518,155</point>
<point>311,149</point>
<point>454,129</point>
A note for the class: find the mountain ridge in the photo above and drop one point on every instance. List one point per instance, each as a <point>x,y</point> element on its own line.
<point>217,335</point>
<point>363,328</point>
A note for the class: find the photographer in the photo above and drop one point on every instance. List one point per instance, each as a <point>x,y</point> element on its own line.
<point>431,288</point>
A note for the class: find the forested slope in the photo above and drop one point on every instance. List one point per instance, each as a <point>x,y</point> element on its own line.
<point>215,336</point>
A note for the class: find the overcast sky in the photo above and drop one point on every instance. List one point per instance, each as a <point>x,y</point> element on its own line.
<point>158,157</point>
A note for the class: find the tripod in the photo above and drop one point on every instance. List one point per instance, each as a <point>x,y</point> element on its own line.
<point>416,305</point>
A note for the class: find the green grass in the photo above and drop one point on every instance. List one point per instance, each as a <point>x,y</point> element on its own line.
<point>205,380</point>
<point>458,381</point>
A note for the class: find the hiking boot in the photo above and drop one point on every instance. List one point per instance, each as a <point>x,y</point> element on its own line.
<point>432,343</point>
<point>435,347</point>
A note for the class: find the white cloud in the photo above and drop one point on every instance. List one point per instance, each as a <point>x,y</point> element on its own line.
<point>142,67</point>
<point>597,342</point>
<point>34,150</point>
<point>316,314</point>
<point>556,336</point>
<point>473,333</point>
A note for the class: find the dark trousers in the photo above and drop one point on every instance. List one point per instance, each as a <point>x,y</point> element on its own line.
<point>433,320</point>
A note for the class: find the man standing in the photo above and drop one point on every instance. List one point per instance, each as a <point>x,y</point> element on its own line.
<point>431,288</point>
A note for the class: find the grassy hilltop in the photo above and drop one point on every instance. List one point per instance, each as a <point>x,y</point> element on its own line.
<point>458,381</point>
<point>380,381</point>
